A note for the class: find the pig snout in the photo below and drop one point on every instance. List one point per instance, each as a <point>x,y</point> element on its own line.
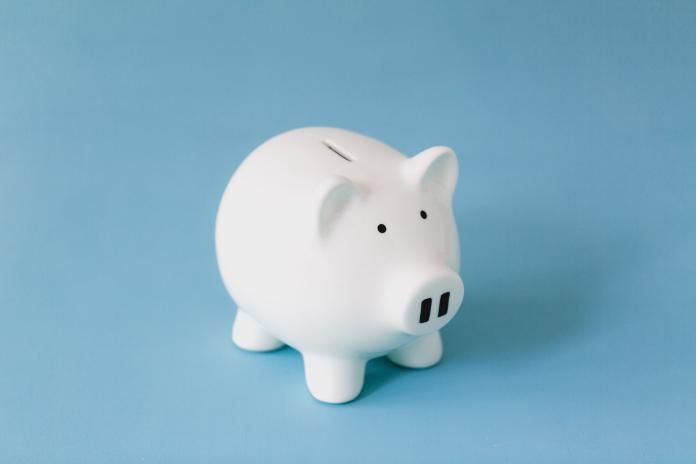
<point>423,301</point>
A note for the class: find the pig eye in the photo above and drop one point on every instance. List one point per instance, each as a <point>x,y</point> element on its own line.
<point>381,228</point>
<point>424,215</point>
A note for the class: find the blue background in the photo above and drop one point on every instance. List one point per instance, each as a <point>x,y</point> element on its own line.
<point>121,122</point>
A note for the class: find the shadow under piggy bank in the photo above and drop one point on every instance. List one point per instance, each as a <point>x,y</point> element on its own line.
<point>529,287</point>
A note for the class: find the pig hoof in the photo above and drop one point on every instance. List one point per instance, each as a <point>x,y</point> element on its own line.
<point>425,351</point>
<point>251,336</point>
<point>334,380</point>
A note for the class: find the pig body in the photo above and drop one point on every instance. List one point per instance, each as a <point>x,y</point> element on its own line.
<point>343,248</point>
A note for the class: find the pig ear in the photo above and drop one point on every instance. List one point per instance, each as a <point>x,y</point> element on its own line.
<point>332,197</point>
<point>435,167</point>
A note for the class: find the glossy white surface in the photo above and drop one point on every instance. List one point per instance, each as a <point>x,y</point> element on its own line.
<point>343,248</point>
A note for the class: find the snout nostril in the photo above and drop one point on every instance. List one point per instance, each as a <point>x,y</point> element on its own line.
<point>425,310</point>
<point>444,304</point>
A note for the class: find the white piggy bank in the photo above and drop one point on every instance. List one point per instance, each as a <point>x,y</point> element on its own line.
<point>343,248</point>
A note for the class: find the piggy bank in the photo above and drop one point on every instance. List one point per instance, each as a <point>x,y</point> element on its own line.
<point>339,246</point>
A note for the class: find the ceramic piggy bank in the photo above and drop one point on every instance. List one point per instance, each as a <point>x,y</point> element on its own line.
<point>341,247</point>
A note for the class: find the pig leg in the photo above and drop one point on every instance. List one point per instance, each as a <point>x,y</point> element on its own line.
<point>250,335</point>
<point>424,351</point>
<point>334,379</point>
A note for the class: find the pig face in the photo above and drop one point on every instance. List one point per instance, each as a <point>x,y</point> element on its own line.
<point>394,235</point>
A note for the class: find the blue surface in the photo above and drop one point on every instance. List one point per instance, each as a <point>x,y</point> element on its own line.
<point>120,123</point>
